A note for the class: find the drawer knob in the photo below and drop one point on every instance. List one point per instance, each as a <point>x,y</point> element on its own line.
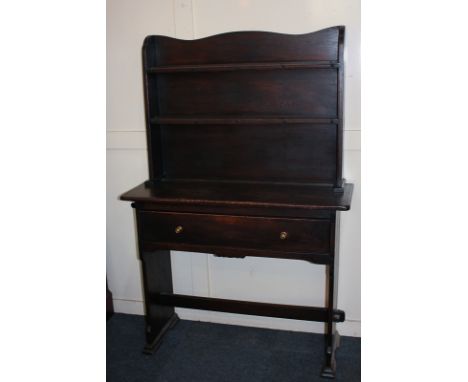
<point>283,235</point>
<point>179,229</point>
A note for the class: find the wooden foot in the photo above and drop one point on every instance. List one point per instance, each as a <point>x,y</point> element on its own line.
<point>154,341</point>
<point>328,372</point>
<point>329,369</point>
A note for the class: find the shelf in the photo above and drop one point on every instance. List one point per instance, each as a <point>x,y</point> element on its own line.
<point>244,66</point>
<point>241,120</point>
<point>241,194</point>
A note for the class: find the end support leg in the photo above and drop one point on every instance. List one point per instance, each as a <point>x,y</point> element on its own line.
<point>157,277</point>
<point>332,337</point>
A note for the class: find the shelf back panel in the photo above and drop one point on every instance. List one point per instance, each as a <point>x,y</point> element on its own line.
<point>245,93</point>
<point>289,153</point>
<point>245,106</point>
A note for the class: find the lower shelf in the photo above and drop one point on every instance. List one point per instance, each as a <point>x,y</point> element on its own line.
<point>295,312</point>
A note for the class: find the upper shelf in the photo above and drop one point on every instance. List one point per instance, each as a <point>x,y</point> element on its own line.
<point>247,106</point>
<point>244,66</point>
<point>225,120</point>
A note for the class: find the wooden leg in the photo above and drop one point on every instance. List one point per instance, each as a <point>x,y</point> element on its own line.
<point>157,278</point>
<point>109,302</point>
<point>332,337</point>
<point>332,343</point>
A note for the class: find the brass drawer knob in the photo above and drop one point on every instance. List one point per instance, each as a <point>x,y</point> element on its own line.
<point>283,235</point>
<point>179,229</point>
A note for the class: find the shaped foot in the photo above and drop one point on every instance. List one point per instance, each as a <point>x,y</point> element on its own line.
<point>328,372</point>
<point>153,345</point>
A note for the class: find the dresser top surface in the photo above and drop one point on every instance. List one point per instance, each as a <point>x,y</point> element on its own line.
<point>310,197</point>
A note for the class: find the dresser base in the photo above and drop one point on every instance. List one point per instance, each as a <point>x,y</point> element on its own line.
<point>159,232</point>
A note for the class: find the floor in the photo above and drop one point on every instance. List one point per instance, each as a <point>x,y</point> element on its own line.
<point>204,352</point>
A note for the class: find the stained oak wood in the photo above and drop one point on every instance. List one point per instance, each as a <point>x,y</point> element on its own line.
<point>302,235</point>
<point>295,312</point>
<point>331,334</point>
<point>269,152</point>
<point>268,92</point>
<point>237,120</point>
<point>252,195</point>
<point>244,47</point>
<point>245,141</point>
<point>109,302</point>
<point>237,252</point>
<point>157,278</point>
<point>249,79</point>
<point>243,66</point>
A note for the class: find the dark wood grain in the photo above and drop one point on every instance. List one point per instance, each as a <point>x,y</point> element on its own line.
<point>331,334</point>
<point>236,252</point>
<point>109,302</point>
<point>268,92</point>
<point>249,79</point>
<point>244,47</point>
<point>252,195</point>
<point>245,141</point>
<point>243,66</point>
<point>238,120</point>
<point>294,312</point>
<point>303,235</point>
<point>340,98</point>
<point>287,153</point>
<point>157,278</point>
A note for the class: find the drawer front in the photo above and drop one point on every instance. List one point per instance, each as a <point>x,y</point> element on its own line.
<point>276,234</point>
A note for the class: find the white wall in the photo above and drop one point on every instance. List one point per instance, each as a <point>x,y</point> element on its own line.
<point>254,279</point>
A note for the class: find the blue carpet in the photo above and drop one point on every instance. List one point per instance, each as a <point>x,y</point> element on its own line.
<point>204,352</point>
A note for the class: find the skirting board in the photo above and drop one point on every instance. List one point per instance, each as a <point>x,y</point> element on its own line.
<point>350,328</point>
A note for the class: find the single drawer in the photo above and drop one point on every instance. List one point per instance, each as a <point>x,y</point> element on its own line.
<point>276,234</point>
